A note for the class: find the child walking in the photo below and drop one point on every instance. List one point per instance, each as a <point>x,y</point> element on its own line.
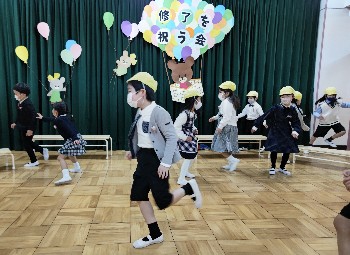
<point>26,123</point>
<point>284,129</point>
<point>153,140</point>
<point>253,111</point>
<point>186,132</point>
<point>327,111</point>
<point>225,139</point>
<point>74,144</point>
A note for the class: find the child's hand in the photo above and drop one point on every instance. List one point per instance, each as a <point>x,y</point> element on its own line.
<point>189,139</point>
<point>163,172</point>
<point>295,134</point>
<point>128,155</point>
<point>195,131</point>
<point>13,125</point>
<point>39,116</point>
<point>211,119</point>
<point>346,182</point>
<point>29,133</point>
<point>254,129</point>
<point>76,142</point>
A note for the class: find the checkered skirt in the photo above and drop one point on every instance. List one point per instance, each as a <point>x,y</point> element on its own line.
<point>187,128</point>
<point>69,148</point>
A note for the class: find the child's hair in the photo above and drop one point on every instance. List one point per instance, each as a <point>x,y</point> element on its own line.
<point>22,87</point>
<point>321,99</point>
<point>233,98</point>
<point>61,108</point>
<point>189,103</point>
<point>150,96</point>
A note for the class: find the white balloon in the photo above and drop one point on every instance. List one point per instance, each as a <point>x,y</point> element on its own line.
<point>143,26</point>
<point>134,31</point>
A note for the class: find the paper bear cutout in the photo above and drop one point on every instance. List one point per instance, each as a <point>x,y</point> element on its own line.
<point>56,86</point>
<point>182,72</point>
<point>124,63</point>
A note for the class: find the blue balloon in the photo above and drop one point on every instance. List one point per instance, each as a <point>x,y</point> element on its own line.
<point>198,30</point>
<point>70,43</point>
<point>177,52</point>
<point>170,25</point>
<point>221,9</point>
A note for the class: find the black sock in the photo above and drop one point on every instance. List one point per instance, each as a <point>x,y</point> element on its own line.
<point>154,231</point>
<point>330,139</point>
<point>188,189</point>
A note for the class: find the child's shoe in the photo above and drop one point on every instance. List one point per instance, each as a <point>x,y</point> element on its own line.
<point>272,171</point>
<point>138,244</point>
<point>36,163</point>
<point>46,154</point>
<point>66,179</point>
<point>196,192</point>
<point>284,171</point>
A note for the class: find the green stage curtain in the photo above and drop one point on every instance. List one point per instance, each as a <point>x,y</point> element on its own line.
<point>272,44</point>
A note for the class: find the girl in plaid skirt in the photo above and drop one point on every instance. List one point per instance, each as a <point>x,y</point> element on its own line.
<point>225,139</point>
<point>186,132</point>
<point>74,143</point>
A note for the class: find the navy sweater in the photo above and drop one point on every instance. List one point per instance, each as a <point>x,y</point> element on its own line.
<point>64,127</point>
<point>26,116</point>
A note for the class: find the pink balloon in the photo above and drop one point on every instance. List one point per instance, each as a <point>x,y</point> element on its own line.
<point>43,29</point>
<point>76,51</point>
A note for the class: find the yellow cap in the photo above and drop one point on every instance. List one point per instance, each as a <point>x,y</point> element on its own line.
<point>287,91</point>
<point>298,95</point>
<point>291,88</point>
<point>146,79</point>
<point>228,85</point>
<point>330,91</point>
<point>253,94</point>
<point>191,92</point>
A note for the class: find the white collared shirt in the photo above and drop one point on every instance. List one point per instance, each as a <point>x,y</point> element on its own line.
<point>228,112</point>
<point>144,140</point>
<point>252,112</point>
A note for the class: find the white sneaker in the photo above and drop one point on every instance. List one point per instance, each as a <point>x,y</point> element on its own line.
<point>272,171</point>
<point>284,171</point>
<point>46,154</point>
<point>182,182</point>
<point>333,145</point>
<point>65,179</point>
<point>233,165</point>
<point>227,167</point>
<point>138,244</point>
<point>196,192</point>
<point>189,175</point>
<point>243,149</point>
<point>75,170</point>
<point>36,163</point>
<point>288,161</point>
<point>262,149</point>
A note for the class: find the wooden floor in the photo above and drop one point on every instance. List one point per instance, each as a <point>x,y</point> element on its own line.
<point>245,212</point>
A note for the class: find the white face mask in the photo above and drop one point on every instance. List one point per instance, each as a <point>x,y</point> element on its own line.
<point>198,105</point>
<point>286,100</point>
<point>130,102</point>
<point>251,101</point>
<point>221,96</point>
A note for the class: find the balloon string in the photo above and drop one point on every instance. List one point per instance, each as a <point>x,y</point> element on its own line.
<point>37,77</point>
<point>109,39</point>
<point>113,76</point>
<point>166,70</point>
<point>129,42</point>
<point>201,67</point>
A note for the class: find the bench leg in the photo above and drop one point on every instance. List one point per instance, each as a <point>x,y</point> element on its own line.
<point>259,147</point>
<point>293,158</point>
<point>106,148</point>
<point>6,160</point>
<point>111,145</point>
<point>13,162</point>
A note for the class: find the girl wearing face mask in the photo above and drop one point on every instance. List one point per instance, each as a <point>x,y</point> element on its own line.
<point>186,132</point>
<point>327,111</point>
<point>284,129</point>
<point>253,111</point>
<point>74,144</point>
<point>153,141</point>
<point>225,139</point>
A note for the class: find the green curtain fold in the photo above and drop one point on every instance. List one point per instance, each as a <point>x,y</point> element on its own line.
<point>272,44</point>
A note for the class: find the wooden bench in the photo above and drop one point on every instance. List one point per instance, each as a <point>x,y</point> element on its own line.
<point>106,138</point>
<point>251,138</point>
<point>6,152</point>
<point>306,150</point>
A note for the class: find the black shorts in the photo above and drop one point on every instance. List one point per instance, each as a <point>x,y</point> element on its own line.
<point>187,155</point>
<point>346,211</point>
<point>146,178</point>
<point>321,131</point>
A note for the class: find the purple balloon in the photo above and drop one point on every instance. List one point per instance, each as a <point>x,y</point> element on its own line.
<point>126,28</point>
<point>217,17</point>
<point>186,52</point>
<point>154,29</point>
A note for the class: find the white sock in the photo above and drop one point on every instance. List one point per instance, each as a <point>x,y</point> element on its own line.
<point>76,165</point>
<point>231,158</point>
<point>65,173</point>
<point>184,169</point>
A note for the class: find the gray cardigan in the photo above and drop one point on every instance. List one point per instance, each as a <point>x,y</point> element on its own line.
<point>163,135</point>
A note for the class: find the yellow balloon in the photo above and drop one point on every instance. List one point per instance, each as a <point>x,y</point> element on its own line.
<point>147,36</point>
<point>214,33</point>
<point>22,53</point>
<point>175,6</point>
